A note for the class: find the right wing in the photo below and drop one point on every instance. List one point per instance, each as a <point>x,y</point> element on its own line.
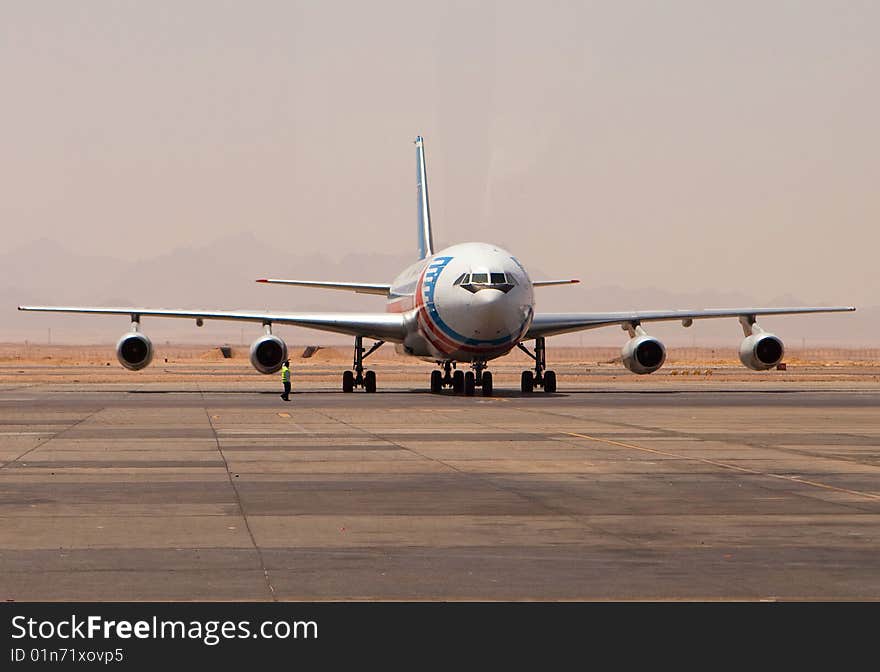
<point>359,287</point>
<point>378,326</point>
<point>550,324</point>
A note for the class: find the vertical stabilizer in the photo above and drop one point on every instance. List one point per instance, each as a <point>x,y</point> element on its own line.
<point>426,238</point>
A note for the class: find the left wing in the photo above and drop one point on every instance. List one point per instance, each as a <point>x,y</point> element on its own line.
<point>379,326</point>
<point>550,324</point>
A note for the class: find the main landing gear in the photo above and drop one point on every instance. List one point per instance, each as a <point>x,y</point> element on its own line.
<point>462,382</point>
<point>540,377</point>
<point>357,377</point>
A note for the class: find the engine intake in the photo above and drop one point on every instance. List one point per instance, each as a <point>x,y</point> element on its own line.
<point>643,354</point>
<point>134,351</point>
<point>268,353</point>
<point>761,351</point>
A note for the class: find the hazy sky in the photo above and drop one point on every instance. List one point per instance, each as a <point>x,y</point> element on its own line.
<point>729,146</point>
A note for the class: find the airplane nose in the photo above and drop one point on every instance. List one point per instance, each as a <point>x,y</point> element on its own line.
<point>494,311</point>
<point>491,303</point>
<point>483,318</point>
<point>488,296</point>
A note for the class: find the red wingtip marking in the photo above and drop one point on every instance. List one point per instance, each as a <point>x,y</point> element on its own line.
<point>575,282</point>
<point>263,280</point>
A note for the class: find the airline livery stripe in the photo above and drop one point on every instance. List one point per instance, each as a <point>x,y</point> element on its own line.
<point>441,335</point>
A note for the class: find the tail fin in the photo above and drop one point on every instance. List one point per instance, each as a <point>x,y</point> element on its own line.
<point>426,238</point>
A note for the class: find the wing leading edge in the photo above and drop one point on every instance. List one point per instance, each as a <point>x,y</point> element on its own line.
<point>380,326</point>
<point>550,324</point>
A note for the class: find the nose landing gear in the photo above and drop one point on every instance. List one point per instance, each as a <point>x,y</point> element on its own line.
<point>357,377</point>
<point>461,382</point>
<point>541,377</point>
<point>482,378</point>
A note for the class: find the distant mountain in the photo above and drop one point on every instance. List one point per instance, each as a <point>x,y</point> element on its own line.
<point>221,274</point>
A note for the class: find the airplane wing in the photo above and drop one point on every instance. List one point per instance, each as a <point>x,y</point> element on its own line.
<point>550,324</point>
<point>359,287</point>
<point>379,326</point>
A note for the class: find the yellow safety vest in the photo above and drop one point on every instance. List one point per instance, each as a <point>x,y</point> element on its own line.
<point>285,374</point>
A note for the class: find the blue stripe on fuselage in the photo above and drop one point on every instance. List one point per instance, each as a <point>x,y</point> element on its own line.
<point>432,274</point>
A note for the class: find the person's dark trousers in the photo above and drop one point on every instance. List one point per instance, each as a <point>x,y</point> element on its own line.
<point>286,391</point>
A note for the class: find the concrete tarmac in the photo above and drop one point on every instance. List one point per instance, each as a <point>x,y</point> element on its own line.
<point>215,491</point>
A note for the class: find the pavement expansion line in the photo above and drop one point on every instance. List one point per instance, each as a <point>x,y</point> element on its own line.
<point>486,479</point>
<point>732,467</point>
<point>673,434</point>
<point>50,438</point>
<point>240,504</point>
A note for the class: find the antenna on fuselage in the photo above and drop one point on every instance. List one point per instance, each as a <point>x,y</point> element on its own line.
<point>426,237</point>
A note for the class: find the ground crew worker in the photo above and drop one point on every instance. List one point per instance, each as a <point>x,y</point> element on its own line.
<point>285,378</point>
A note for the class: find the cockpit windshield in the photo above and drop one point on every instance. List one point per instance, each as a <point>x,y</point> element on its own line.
<point>474,282</point>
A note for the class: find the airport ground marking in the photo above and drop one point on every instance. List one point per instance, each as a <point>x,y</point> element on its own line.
<point>27,434</point>
<point>733,467</point>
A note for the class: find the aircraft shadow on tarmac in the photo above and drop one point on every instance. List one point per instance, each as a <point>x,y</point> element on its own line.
<point>495,395</point>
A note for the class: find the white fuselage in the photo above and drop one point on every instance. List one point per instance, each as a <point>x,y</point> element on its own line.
<point>469,302</point>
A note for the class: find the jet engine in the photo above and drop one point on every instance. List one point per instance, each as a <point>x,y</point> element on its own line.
<point>761,351</point>
<point>643,354</point>
<point>268,353</point>
<point>134,351</point>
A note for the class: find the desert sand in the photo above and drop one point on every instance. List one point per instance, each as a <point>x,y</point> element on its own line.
<point>97,363</point>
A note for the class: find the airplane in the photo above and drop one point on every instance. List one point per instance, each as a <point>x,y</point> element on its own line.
<point>466,304</point>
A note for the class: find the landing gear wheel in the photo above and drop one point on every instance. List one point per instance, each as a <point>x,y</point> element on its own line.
<point>550,382</point>
<point>458,382</point>
<point>366,380</point>
<point>487,384</point>
<point>470,383</point>
<point>436,382</point>
<point>527,383</point>
<point>347,381</point>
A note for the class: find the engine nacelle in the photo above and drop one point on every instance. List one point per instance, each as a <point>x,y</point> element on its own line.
<point>134,351</point>
<point>643,354</point>
<point>761,351</point>
<point>268,353</point>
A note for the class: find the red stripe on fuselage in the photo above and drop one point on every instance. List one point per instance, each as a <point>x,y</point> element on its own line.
<point>426,325</point>
<point>443,343</point>
<point>399,305</point>
<point>437,338</point>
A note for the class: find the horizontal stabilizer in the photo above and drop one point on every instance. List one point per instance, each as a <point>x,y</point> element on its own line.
<point>550,283</point>
<point>359,287</point>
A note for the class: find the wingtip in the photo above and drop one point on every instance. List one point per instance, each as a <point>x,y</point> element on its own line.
<point>262,280</point>
<point>575,281</point>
